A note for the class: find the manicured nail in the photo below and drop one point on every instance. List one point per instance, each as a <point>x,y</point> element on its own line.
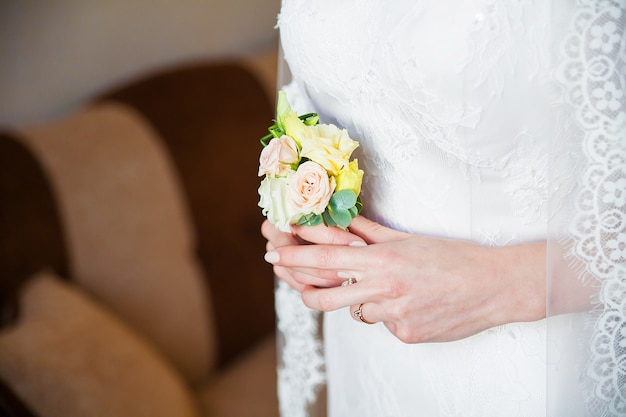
<point>357,243</point>
<point>344,275</point>
<point>271,257</point>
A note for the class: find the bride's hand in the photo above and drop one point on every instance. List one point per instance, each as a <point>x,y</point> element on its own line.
<point>422,288</point>
<point>296,278</point>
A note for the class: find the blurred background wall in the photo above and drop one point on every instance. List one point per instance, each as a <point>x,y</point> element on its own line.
<point>55,54</point>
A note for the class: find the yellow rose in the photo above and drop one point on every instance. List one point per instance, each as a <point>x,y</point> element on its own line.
<point>327,145</point>
<point>287,119</point>
<point>293,126</point>
<point>350,178</point>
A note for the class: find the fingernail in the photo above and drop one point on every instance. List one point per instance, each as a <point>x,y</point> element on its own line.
<point>357,243</point>
<point>271,257</point>
<point>344,275</point>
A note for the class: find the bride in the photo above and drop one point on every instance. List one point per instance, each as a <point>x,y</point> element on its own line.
<point>492,140</point>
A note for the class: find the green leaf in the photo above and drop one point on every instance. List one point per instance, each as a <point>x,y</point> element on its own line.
<point>341,217</point>
<point>354,211</point>
<point>343,200</point>
<point>275,132</point>
<point>359,204</point>
<point>265,139</point>
<point>310,119</point>
<point>310,220</point>
<point>328,220</point>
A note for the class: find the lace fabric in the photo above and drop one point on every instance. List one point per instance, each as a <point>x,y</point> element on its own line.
<point>593,241</point>
<point>301,374</point>
<point>474,139</point>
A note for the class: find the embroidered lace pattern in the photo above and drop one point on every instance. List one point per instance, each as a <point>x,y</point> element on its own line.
<point>594,71</point>
<point>301,370</point>
<point>433,165</point>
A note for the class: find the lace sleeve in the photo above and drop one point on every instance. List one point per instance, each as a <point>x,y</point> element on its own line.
<point>587,249</point>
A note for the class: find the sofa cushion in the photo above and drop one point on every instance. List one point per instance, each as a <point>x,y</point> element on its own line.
<point>210,118</point>
<point>145,198</point>
<point>67,356</point>
<point>31,230</point>
<point>129,237</point>
<point>246,388</point>
<point>10,404</point>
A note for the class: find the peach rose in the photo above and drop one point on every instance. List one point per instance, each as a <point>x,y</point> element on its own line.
<point>310,188</point>
<point>276,158</point>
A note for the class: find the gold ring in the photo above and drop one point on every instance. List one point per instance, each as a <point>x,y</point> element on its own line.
<point>359,313</point>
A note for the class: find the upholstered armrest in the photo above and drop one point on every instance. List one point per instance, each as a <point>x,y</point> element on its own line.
<point>148,205</point>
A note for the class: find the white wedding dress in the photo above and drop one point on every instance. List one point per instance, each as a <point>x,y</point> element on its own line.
<point>457,108</point>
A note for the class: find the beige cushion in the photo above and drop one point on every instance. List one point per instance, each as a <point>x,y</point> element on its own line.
<point>247,388</point>
<point>69,357</point>
<point>128,232</point>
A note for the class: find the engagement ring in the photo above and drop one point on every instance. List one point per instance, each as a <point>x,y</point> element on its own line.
<point>359,313</point>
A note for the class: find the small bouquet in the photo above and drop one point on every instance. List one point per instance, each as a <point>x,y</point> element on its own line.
<point>308,175</point>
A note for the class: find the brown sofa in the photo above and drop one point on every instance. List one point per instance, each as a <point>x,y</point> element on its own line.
<point>132,280</point>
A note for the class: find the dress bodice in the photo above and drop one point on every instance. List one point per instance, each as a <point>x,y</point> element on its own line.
<point>440,94</point>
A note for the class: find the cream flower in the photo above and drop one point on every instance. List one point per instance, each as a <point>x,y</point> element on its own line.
<point>310,188</point>
<point>327,145</point>
<point>276,158</point>
<point>276,207</point>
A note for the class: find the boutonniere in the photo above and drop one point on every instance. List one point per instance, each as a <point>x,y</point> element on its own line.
<point>308,176</point>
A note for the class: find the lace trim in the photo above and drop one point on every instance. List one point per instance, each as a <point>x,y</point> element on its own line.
<point>593,72</point>
<point>301,371</point>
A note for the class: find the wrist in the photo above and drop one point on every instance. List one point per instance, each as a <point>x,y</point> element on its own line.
<point>522,270</point>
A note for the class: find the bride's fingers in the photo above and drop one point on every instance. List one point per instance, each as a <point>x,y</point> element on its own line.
<point>329,299</point>
<point>322,257</point>
<point>330,275</point>
<point>365,313</point>
<point>372,232</point>
<point>276,237</point>
<point>316,280</point>
<point>322,234</point>
<point>285,274</point>
<point>298,279</point>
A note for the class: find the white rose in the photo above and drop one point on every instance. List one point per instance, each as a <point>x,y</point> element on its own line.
<point>275,203</point>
